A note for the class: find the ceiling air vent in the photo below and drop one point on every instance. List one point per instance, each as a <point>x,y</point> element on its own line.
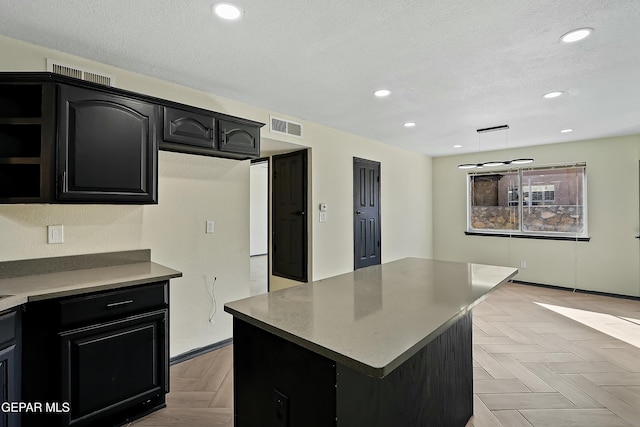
<point>285,126</point>
<point>79,73</point>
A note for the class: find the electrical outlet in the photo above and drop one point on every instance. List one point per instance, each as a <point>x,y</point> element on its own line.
<point>523,263</point>
<point>55,234</point>
<point>210,227</point>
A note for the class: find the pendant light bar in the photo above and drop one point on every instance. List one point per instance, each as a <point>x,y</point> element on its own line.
<point>520,161</point>
<point>493,129</point>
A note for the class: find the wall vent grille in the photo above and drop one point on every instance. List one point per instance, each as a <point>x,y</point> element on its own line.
<point>69,70</point>
<point>286,127</point>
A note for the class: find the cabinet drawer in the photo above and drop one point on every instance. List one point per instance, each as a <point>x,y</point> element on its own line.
<point>112,304</point>
<point>7,327</point>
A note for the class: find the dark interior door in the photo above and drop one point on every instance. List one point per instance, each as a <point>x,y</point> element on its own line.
<point>366,213</point>
<point>289,205</point>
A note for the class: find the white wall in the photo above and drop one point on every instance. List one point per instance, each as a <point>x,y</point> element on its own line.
<point>610,262</point>
<point>193,189</point>
<point>259,213</point>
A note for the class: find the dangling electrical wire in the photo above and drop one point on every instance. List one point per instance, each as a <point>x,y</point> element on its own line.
<point>214,303</point>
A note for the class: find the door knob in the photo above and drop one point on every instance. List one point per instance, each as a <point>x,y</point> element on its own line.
<point>299,213</point>
<point>358,212</point>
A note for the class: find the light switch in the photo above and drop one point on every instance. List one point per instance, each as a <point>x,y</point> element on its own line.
<point>210,227</point>
<point>323,217</point>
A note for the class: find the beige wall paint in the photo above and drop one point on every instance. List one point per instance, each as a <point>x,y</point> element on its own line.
<point>405,186</point>
<point>193,189</point>
<point>608,263</point>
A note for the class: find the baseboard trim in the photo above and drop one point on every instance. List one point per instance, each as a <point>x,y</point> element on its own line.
<point>199,351</point>
<point>582,291</point>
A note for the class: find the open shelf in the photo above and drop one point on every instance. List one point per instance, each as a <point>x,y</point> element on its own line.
<point>24,149</point>
<point>21,100</point>
<point>19,181</point>
<point>22,140</point>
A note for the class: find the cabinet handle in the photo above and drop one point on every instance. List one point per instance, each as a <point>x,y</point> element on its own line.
<point>63,184</point>
<point>118,304</point>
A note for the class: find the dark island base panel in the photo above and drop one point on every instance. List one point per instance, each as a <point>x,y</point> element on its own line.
<point>277,383</point>
<point>282,384</point>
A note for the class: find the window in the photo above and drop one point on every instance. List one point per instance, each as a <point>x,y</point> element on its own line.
<point>542,201</point>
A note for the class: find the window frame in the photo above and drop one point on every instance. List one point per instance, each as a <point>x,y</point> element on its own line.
<point>520,232</point>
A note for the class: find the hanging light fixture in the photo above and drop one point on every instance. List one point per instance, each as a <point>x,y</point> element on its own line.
<point>521,161</point>
<point>494,163</point>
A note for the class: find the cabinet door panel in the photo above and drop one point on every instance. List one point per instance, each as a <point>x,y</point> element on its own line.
<point>107,147</point>
<point>186,127</point>
<point>111,366</point>
<point>8,392</point>
<point>239,138</point>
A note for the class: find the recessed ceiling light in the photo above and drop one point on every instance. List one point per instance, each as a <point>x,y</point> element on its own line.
<point>381,93</point>
<point>576,35</point>
<point>566,130</point>
<point>457,146</point>
<point>552,94</point>
<point>227,11</point>
<point>409,124</point>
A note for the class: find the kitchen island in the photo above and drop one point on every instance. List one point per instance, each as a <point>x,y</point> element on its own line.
<point>384,345</point>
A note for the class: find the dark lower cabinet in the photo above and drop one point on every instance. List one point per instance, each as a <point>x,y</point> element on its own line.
<point>10,366</point>
<point>99,359</point>
<point>109,368</point>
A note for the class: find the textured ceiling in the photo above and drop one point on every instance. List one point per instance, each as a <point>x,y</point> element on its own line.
<point>453,65</point>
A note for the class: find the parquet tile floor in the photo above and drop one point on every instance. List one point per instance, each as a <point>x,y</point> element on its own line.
<point>542,358</point>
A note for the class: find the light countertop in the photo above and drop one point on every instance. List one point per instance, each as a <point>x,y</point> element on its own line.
<point>15,291</point>
<point>375,318</point>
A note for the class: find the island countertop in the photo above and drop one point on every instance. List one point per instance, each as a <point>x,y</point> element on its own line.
<point>373,319</point>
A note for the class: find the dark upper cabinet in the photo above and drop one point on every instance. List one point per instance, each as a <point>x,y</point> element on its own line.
<point>188,127</point>
<point>64,140</point>
<point>239,138</point>
<point>107,150</point>
<point>27,138</point>
<point>196,131</point>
